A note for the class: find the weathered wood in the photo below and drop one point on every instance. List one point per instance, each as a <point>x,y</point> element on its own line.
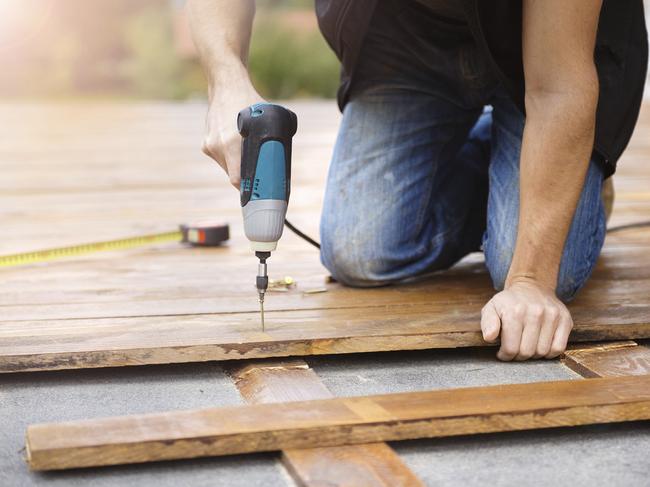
<point>328,422</point>
<point>71,344</point>
<point>366,465</point>
<point>136,169</point>
<point>614,359</point>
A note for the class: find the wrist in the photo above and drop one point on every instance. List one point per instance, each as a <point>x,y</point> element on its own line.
<point>534,264</point>
<point>530,278</point>
<point>228,77</point>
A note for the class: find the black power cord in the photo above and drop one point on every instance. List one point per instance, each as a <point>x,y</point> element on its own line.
<point>609,230</point>
<point>628,226</point>
<point>290,226</point>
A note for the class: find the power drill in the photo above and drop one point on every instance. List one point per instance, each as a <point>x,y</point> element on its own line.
<point>266,131</point>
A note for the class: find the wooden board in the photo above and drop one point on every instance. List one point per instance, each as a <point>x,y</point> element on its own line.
<point>614,359</point>
<point>70,344</point>
<point>115,170</point>
<point>329,422</point>
<point>367,465</point>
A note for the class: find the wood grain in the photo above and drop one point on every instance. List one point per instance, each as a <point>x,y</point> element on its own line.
<point>123,169</point>
<point>614,359</point>
<point>366,465</point>
<point>71,344</point>
<point>329,422</point>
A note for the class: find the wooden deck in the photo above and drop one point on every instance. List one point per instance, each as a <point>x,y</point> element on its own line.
<point>83,173</point>
<point>137,169</point>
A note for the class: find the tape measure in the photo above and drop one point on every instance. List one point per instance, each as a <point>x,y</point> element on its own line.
<point>201,234</point>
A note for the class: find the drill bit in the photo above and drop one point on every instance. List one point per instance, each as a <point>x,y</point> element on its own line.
<point>261,298</point>
<point>262,282</point>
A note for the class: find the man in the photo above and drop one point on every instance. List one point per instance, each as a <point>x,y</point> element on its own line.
<point>423,173</point>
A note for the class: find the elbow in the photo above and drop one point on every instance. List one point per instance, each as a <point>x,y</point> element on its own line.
<point>577,88</point>
<point>573,100</point>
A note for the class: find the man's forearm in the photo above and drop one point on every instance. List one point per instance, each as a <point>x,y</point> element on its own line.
<point>558,39</point>
<point>222,33</point>
<point>222,30</point>
<point>556,149</point>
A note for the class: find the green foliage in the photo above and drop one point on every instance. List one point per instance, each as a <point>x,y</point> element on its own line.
<point>108,48</point>
<point>286,62</point>
<point>151,67</point>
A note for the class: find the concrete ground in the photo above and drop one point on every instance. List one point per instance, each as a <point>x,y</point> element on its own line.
<point>590,456</point>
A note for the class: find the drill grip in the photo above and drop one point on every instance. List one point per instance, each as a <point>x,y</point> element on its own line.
<point>266,131</point>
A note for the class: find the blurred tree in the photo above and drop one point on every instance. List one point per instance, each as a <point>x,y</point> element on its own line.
<point>126,48</point>
<point>289,58</point>
<point>152,66</point>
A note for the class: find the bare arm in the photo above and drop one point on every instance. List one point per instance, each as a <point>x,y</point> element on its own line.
<point>561,99</point>
<point>222,30</point>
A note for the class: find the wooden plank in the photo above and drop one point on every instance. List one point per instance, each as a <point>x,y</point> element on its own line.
<point>329,422</point>
<point>367,465</point>
<point>614,359</point>
<point>72,344</point>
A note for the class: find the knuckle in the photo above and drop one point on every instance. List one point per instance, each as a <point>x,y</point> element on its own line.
<point>524,355</point>
<point>212,144</point>
<point>512,316</point>
<point>542,350</point>
<point>567,323</point>
<point>505,357</point>
<point>205,148</point>
<point>552,312</point>
<point>536,311</point>
<point>234,179</point>
<point>518,309</point>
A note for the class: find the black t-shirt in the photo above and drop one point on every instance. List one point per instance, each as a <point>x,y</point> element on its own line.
<point>445,9</point>
<point>621,55</point>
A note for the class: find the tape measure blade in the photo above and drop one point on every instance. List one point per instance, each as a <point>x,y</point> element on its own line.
<point>33,257</point>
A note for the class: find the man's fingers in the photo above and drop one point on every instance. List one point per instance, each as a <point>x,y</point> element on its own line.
<point>546,333</point>
<point>490,323</point>
<point>511,330</point>
<point>233,163</point>
<point>530,335</point>
<point>561,336</point>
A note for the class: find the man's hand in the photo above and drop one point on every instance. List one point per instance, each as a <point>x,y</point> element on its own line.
<point>222,140</point>
<point>532,321</point>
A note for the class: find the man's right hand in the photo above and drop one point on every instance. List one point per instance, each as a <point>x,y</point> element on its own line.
<point>222,140</point>
<point>222,32</point>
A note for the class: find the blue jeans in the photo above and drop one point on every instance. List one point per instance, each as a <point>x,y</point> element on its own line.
<point>426,167</point>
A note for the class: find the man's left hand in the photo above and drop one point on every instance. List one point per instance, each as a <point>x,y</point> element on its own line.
<point>532,322</point>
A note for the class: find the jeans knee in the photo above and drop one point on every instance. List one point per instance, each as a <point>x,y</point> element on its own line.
<point>497,261</point>
<point>568,286</point>
<point>347,265</point>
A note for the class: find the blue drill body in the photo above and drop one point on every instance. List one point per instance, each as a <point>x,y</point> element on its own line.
<point>266,131</point>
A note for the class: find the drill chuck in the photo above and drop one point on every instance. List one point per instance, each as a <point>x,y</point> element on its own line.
<point>262,280</point>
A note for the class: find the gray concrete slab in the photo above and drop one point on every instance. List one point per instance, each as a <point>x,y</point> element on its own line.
<point>62,396</point>
<point>383,373</point>
<point>588,456</point>
<point>593,456</point>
